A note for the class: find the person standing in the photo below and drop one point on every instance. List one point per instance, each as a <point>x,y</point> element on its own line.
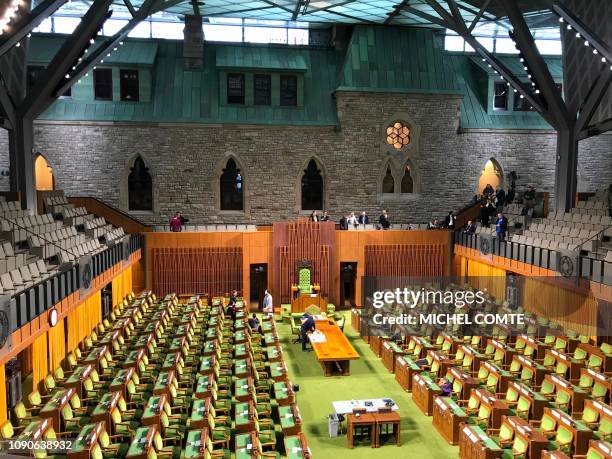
<point>324,217</point>
<point>307,326</point>
<point>449,221</point>
<point>267,305</point>
<point>176,223</point>
<point>500,197</point>
<point>470,228</point>
<point>352,220</point>
<point>364,219</point>
<point>501,227</point>
<point>383,220</point>
<point>314,217</point>
<point>343,223</point>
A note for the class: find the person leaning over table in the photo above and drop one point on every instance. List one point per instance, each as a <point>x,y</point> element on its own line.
<point>308,326</point>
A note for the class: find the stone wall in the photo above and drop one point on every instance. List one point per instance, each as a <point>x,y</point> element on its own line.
<point>185,161</point>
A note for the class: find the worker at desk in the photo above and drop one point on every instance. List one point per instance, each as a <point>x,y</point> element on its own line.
<point>308,325</point>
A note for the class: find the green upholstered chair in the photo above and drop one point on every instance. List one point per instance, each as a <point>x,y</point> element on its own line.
<point>304,281</point>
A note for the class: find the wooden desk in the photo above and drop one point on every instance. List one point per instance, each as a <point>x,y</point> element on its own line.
<point>376,343</point>
<point>274,353</point>
<point>363,420</point>
<point>470,358</point>
<point>102,411</point>
<point>78,377</point>
<point>242,368</point>
<point>336,352</point>
<point>590,350</point>
<point>123,325</point>
<point>558,361</point>
<point>290,419</point>
<point>53,407</point>
<point>390,351</point>
<point>247,446</point>
<point>152,411</point>
<point>199,413</point>
<point>296,447</point>
<point>34,431</point>
<point>133,359</point>
<point>203,387</point>
<point>244,389</point>
<point>305,300</point>
<point>474,443</point>
<point>179,345</point>
<point>207,365</point>
<point>536,401</point>
<point>96,355</point>
<point>85,441</point>
<point>146,342</point>
<point>244,416</point>
<point>172,361</point>
<point>386,419</point>
<point>467,382</point>
<point>447,418</point>
<point>497,378</point>
<point>121,380</point>
<point>142,443</point>
<point>163,382</point>
<point>110,337</point>
<point>423,392</point>
<point>195,447</point>
<point>580,431</point>
<point>405,369</point>
<point>278,371</point>
<point>523,366</point>
<point>536,440</point>
<point>530,347</point>
<point>283,393</point>
<point>499,351</point>
<point>574,394</point>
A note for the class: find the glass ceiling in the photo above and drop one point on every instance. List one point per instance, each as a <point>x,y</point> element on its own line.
<point>321,13</point>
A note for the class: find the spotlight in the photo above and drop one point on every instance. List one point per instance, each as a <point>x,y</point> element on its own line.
<point>569,27</point>
<point>560,19</point>
<point>586,43</point>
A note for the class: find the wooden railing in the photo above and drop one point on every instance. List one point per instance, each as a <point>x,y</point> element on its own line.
<point>468,213</point>
<point>113,215</point>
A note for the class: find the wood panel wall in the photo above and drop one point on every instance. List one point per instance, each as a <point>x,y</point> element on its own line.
<point>583,308</point>
<point>210,270</point>
<point>258,247</point>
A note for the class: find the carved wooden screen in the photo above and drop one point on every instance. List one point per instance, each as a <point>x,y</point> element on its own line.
<point>212,270</point>
<point>401,260</point>
<point>295,242</point>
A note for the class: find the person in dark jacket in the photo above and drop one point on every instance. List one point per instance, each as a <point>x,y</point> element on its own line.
<point>383,220</point>
<point>363,219</point>
<point>500,196</point>
<point>449,221</point>
<point>470,228</point>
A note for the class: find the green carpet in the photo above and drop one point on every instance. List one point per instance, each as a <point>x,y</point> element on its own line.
<point>369,379</point>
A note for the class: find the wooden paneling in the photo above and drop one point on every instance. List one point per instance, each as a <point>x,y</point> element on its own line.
<point>257,247</point>
<point>298,241</point>
<point>402,260</point>
<point>577,307</point>
<point>210,270</point>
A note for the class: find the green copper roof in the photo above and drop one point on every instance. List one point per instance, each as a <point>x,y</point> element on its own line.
<point>260,58</point>
<point>396,58</point>
<point>377,59</point>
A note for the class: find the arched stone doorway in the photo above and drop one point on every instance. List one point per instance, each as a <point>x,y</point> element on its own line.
<point>44,174</point>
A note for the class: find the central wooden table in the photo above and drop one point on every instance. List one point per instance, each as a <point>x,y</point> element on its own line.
<point>336,352</point>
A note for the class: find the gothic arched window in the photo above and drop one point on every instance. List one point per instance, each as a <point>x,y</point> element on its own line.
<point>231,185</point>
<point>388,184</point>
<point>312,187</point>
<point>407,181</point>
<point>140,187</point>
